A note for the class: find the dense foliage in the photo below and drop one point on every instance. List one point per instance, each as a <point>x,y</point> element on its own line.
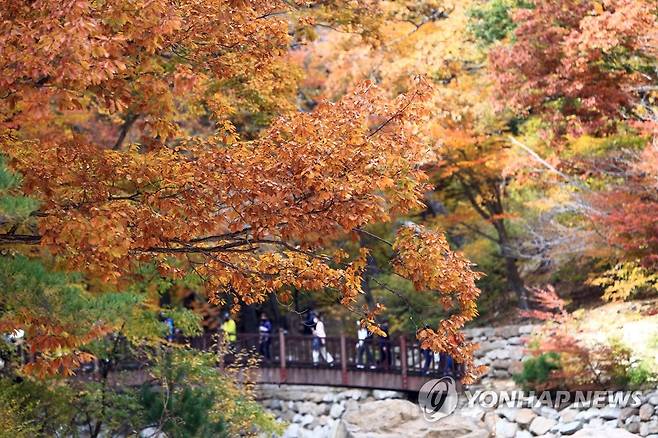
<point>168,159</point>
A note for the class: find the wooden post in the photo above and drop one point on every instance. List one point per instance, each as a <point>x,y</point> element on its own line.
<point>283,374</point>
<point>403,362</point>
<point>343,360</point>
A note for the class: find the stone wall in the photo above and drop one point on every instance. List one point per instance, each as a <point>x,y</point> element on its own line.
<point>315,411</point>
<point>501,349</point>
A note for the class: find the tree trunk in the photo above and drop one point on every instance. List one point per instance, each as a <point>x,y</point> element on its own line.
<point>514,280</point>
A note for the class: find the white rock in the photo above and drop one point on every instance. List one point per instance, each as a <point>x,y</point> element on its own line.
<point>588,414</point>
<point>330,397</point>
<point>379,394</point>
<point>525,416</point>
<point>506,429</point>
<point>508,413</point>
<point>548,412</point>
<point>569,428</point>
<point>523,434</point>
<point>603,433</point>
<point>152,432</point>
<point>292,431</point>
<point>541,425</point>
<point>568,415</point>
<point>337,410</point>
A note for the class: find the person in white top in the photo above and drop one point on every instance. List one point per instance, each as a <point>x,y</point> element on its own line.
<point>364,345</point>
<point>319,343</point>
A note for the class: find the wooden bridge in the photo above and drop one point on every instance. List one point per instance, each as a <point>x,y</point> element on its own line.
<point>291,361</point>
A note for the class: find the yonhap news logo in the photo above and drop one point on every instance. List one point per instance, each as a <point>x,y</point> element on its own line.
<point>438,398</point>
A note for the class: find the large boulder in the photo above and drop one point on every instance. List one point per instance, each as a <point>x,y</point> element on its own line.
<point>395,418</point>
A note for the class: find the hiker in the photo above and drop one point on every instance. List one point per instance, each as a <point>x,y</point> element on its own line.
<point>230,330</point>
<point>364,345</point>
<point>446,365</point>
<point>385,347</point>
<point>428,358</point>
<point>170,334</point>
<point>319,341</point>
<point>265,330</point>
<point>308,324</point>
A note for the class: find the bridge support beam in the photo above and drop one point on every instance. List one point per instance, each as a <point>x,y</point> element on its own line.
<point>403,362</point>
<point>343,360</point>
<point>283,373</point>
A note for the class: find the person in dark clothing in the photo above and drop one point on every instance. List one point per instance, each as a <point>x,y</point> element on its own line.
<point>265,331</point>
<point>309,322</point>
<point>385,347</point>
<point>428,357</point>
<point>446,365</point>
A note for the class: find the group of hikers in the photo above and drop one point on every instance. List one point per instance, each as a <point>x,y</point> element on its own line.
<point>366,345</point>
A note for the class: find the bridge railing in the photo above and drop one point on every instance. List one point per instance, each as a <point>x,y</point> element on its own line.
<point>391,355</point>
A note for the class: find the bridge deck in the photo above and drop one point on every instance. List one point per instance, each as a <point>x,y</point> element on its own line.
<point>393,364</point>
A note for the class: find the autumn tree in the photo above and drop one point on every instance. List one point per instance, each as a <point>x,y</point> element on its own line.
<point>165,133</point>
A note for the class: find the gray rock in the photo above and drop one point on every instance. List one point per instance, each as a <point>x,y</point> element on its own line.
<point>307,419</point>
<point>610,413</point>
<point>501,364</point>
<point>653,399</point>
<point>633,427</point>
<point>500,354</point>
<point>516,340</point>
<point>541,425</point>
<point>506,429</point>
<point>627,413</point>
<point>646,412</point>
<point>507,331</point>
<point>648,428</point>
<point>632,419</point>
<point>569,428</point>
<point>526,329</point>
<point>516,353</point>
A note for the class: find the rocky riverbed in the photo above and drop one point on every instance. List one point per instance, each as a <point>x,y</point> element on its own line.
<point>317,412</point>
